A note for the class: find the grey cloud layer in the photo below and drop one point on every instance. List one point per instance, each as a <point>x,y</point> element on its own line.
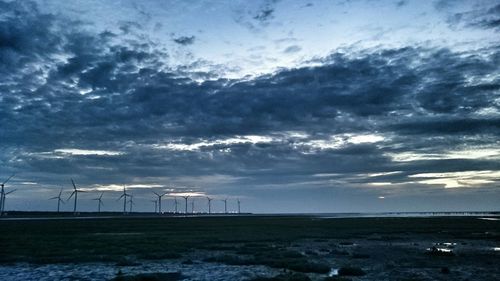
<point>63,87</point>
<point>488,17</point>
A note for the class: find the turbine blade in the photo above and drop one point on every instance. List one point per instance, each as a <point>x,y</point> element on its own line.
<point>9,192</point>
<point>72,193</point>
<point>54,198</point>
<point>74,186</point>
<point>8,179</point>
<point>156,193</point>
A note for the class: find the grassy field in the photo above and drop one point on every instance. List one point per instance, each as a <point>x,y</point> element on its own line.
<point>54,241</point>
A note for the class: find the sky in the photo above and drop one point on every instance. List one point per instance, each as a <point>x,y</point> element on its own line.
<point>288,106</point>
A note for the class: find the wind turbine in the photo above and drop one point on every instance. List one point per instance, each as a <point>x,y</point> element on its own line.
<point>225,205</point>
<point>186,199</point>
<point>2,193</point>
<point>5,194</point>
<point>239,206</point>
<point>131,201</point>
<point>124,196</point>
<point>75,192</point>
<point>176,204</point>
<point>159,200</point>
<point>99,203</point>
<point>209,204</point>
<point>59,200</point>
<point>156,205</point>
<point>192,206</point>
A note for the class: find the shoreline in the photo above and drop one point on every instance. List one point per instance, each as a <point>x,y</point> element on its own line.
<point>27,216</point>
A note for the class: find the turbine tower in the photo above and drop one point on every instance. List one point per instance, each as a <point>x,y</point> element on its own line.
<point>209,205</point>
<point>124,196</point>
<point>159,200</point>
<point>75,193</point>
<point>2,193</point>
<point>59,200</point>
<point>225,205</point>
<point>192,206</point>
<point>239,206</point>
<point>186,200</point>
<point>99,203</point>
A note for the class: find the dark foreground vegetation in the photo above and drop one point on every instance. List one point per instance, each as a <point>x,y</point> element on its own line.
<point>52,241</point>
<point>299,245</point>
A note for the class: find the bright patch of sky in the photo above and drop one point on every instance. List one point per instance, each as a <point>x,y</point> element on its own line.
<point>73,151</point>
<point>464,153</point>
<point>238,38</point>
<point>299,141</point>
<point>458,179</point>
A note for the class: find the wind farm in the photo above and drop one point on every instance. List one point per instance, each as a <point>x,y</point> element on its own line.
<point>127,207</point>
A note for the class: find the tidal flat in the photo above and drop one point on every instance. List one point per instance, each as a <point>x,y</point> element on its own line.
<point>251,248</point>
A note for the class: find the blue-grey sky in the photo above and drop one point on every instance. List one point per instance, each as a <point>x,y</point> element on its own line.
<point>290,106</point>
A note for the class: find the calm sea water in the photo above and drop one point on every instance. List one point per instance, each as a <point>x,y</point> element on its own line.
<point>395,214</point>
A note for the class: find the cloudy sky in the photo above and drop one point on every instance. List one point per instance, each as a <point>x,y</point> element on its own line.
<point>290,106</point>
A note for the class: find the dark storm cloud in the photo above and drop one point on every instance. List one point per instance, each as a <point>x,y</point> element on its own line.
<point>452,126</point>
<point>485,17</point>
<point>64,88</point>
<point>491,18</point>
<point>184,40</point>
<point>25,39</point>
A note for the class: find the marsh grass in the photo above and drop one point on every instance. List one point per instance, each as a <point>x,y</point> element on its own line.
<point>170,276</point>
<point>336,278</point>
<point>445,270</point>
<point>261,240</point>
<point>272,257</point>
<point>284,277</point>
<point>351,271</point>
<point>360,256</point>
